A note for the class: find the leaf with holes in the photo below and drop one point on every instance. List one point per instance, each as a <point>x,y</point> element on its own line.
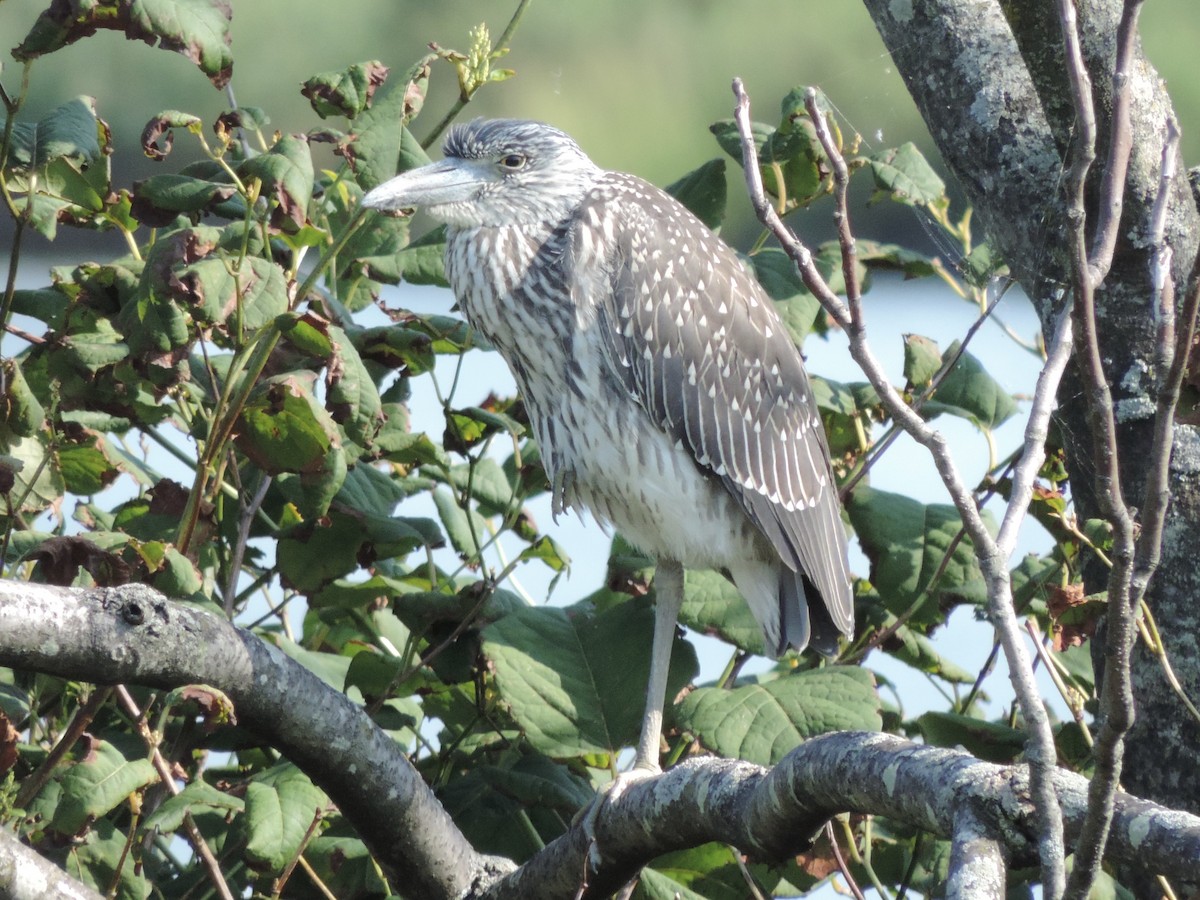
<point>197,29</point>
<point>762,723</point>
<point>286,173</point>
<point>284,429</point>
<point>346,92</point>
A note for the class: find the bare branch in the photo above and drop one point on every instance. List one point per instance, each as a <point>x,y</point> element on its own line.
<point>1174,342</point>
<point>134,635</point>
<point>769,813</point>
<point>977,867</point>
<point>993,563</point>
<point>24,875</point>
<point>1088,269</point>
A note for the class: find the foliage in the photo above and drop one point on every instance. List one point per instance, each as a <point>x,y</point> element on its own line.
<point>218,347</point>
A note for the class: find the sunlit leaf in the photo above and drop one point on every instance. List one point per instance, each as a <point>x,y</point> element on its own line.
<point>568,674</point>
<point>762,722</point>
<point>198,29</point>
<point>281,806</point>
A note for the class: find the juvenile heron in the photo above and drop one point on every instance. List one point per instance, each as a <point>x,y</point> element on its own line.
<point>664,391</point>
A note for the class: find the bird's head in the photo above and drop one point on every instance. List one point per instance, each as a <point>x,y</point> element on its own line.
<point>495,172</point>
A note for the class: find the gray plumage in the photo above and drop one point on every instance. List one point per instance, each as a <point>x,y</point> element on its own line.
<point>666,395</point>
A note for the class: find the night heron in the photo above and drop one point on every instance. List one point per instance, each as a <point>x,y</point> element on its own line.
<point>665,394</point>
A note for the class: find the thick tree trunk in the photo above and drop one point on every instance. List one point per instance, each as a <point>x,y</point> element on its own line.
<point>990,81</point>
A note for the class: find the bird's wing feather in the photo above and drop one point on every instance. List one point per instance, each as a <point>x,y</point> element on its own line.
<point>699,344</point>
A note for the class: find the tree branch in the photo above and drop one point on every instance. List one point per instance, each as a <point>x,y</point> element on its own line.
<point>134,635</point>
<point>993,563</point>
<point>770,813</point>
<point>24,875</point>
<point>1088,270</point>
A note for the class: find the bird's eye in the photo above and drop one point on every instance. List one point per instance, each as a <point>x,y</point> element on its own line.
<point>512,162</point>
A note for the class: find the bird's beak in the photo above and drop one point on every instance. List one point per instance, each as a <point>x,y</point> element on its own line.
<point>448,181</point>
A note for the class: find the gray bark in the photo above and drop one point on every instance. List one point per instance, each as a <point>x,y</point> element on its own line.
<point>134,635</point>
<point>24,875</point>
<point>989,80</point>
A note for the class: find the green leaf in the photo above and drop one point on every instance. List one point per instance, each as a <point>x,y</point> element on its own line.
<point>281,805</point>
<point>197,29</point>
<point>98,784</point>
<point>486,801</point>
<point>22,414</point>
<point>906,540</point>
<point>903,174</point>
<point>726,133</point>
<point>101,861</point>
<point>86,469</point>
<point>382,145</point>
<point>798,308</point>
<point>549,552</point>
<point>914,649</point>
<point>990,741</point>
<point>703,191</point>
<point>761,723</point>
<point>346,92</point>
<point>968,391</point>
<point>466,529</point>
<point>656,885</point>
<point>243,300</point>
<point>707,872</point>
<point>713,606</point>
<point>893,256</point>
<point>353,399</point>
<point>38,479</point>
<point>921,359</point>
<point>284,429</point>
<point>159,199</point>
<point>195,796</point>
<point>570,675</point>
<point>489,485</point>
<point>422,262</point>
<point>68,132</point>
<point>286,173</point>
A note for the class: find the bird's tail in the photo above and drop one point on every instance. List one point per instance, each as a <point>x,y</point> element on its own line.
<point>803,618</point>
<point>788,607</point>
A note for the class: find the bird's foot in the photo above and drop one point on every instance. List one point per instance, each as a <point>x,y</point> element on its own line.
<point>609,794</point>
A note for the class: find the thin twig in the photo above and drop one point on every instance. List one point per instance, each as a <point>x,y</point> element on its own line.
<point>1088,269</point>
<point>163,768</point>
<point>1041,751</point>
<point>855,890</point>
<point>33,785</point>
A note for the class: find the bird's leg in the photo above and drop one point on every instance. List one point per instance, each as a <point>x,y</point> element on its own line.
<point>668,600</point>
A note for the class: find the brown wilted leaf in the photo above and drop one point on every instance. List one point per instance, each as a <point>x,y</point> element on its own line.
<point>214,707</point>
<point>59,560</point>
<point>1073,616</point>
<point>8,744</point>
